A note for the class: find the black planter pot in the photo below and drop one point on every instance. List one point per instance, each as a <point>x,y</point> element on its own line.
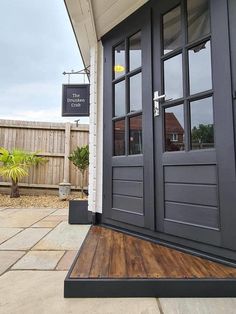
<point>78,212</point>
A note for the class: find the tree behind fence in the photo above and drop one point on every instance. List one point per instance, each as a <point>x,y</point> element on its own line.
<point>54,141</point>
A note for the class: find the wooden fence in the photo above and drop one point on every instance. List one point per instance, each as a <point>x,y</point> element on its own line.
<point>55,141</point>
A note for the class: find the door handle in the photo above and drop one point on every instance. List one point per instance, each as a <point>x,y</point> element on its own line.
<point>156,99</point>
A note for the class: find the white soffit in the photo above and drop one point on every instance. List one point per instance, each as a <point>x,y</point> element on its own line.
<point>109,13</point>
<point>91,19</point>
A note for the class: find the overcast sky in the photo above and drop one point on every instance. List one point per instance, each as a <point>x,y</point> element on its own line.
<point>37,45</point>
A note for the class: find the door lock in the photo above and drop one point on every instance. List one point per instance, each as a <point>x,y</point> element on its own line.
<point>156,99</point>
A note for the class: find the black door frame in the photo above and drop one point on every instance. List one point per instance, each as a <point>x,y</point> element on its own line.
<point>226,152</point>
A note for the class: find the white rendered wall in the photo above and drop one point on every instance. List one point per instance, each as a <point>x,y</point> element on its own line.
<point>92,129</point>
<point>96,129</point>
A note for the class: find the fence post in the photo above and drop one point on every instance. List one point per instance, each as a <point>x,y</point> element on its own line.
<point>67,153</point>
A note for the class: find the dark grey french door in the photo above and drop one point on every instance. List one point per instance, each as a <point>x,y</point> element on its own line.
<point>193,122</point>
<point>169,164</point>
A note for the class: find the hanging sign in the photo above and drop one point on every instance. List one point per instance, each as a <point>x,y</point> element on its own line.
<point>75,100</point>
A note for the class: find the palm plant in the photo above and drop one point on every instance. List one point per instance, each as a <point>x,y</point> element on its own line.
<point>15,165</point>
<point>80,158</point>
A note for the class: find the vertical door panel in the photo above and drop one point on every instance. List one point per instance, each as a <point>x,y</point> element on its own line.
<point>193,135</point>
<point>128,154</point>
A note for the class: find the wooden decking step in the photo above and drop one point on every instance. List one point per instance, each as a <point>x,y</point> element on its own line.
<point>114,264</point>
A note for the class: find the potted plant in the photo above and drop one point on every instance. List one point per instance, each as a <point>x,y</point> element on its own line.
<point>78,209</point>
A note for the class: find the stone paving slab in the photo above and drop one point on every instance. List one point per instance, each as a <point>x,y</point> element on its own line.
<point>41,292</point>
<point>41,260</point>
<point>61,211</point>
<point>198,305</point>
<point>56,218</point>
<point>8,258</point>
<point>21,217</point>
<point>63,237</point>
<point>67,260</point>
<point>25,239</point>
<point>46,224</point>
<point>6,233</point>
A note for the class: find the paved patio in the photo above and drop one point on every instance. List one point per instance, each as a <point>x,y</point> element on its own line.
<point>37,246</point>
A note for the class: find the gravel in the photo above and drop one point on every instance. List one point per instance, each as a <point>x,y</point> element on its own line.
<point>33,201</point>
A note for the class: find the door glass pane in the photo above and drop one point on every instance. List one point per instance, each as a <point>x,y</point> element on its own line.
<point>202,125</point>
<point>135,92</point>
<point>135,135</point>
<point>172,30</point>
<point>200,68</point>
<point>173,77</point>
<point>119,137</point>
<point>135,60</point>
<point>119,60</point>
<point>120,99</point>
<point>174,128</point>
<point>198,19</point>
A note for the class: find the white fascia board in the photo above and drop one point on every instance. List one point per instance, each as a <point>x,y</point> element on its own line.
<point>82,20</point>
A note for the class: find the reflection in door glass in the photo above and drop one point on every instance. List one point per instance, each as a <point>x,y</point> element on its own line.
<point>200,68</point>
<point>135,92</point>
<point>119,137</point>
<point>174,128</point>
<point>198,19</point>
<point>202,125</point>
<point>173,77</point>
<point>135,135</point>
<point>135,51</point>
<point>119,60</point>
<point>120,109</point>
<point>172,30</point>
